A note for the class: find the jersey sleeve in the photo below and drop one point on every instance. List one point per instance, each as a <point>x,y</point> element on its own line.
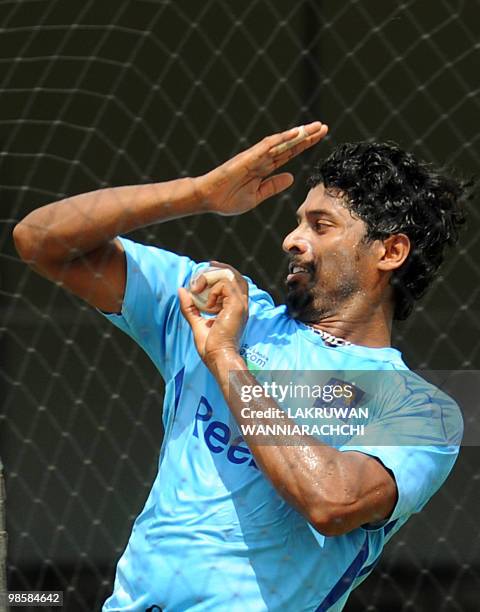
<point>150,311</point>
<point>418,442</point>
<point>258,299</point>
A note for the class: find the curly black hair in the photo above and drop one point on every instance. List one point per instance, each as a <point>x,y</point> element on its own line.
<point>393,192</point>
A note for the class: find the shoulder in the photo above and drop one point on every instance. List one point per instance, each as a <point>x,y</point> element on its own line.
<point>259,299</point>
<point>150,258</point>
<point>429,401</point>
<point>404,409</point>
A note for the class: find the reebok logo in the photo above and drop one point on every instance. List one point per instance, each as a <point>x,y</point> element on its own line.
<point>218,436</point>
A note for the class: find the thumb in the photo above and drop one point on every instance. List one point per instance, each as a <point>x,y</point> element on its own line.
<point>274,184</point>
<point>200,326</point>
<point>188,308</point>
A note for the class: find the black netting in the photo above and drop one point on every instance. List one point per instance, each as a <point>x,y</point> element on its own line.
<point>113,93</point>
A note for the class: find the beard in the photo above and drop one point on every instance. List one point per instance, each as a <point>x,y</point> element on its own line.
<point>299,301</point>
<point>311,302</point>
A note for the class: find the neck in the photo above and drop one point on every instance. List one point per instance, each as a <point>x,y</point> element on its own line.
<point>371,327</point>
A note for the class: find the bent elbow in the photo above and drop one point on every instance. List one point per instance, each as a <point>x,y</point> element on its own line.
<point>35,246</point>
<point>330,523</point>
<point>334,514</point>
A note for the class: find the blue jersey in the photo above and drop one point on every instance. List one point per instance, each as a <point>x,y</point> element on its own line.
<point>214,534</point>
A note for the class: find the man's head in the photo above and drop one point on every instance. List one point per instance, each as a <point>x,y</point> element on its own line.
<point>372,229</point>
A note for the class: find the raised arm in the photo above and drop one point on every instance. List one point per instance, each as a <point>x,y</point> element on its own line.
<point>73,241</point>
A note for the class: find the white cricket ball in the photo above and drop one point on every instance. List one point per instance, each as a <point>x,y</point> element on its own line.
<point>212,275</point>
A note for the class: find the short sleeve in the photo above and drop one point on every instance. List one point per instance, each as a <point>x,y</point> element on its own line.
<point>259,299</point>
<point>418,471</point>
<point>418,443</point>
<point>150,310</point>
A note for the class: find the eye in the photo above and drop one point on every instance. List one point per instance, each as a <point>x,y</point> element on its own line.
<point>321,225</point>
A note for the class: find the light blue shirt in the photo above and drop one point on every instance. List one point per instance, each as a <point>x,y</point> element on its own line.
<point>214,534</point>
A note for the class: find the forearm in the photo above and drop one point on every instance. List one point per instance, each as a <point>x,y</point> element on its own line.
<point>310,476</point>
<point>336,491</point>
<point>80,224</point>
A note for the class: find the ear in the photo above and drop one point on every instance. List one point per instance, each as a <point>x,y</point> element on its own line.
<point>394,252</point>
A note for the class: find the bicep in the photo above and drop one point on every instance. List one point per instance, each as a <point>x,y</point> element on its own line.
<point>98,277</point>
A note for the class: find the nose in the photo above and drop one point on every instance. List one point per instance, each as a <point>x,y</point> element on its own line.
<point>295,243</point>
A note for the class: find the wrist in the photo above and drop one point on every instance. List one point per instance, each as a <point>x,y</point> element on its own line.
<point>203,193</point>
<point>224,359</point>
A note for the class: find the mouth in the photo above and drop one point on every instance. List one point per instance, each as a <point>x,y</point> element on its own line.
<point>297,273</point>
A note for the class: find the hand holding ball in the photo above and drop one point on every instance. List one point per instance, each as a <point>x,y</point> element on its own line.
<point>211,275</point>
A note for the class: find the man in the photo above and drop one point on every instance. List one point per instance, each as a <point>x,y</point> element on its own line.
<point>232,523</point>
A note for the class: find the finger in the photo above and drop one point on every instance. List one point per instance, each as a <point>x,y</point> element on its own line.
<point>237,275</point>
<point>298,146</point>
<point>221,264</point>
<point>274,185</point>
<point>261,159</point>
<point>225,266</point>
<point>213,276</point>
<point>190,311</point>
<point>291,142</point>
<point>218,292</point>
<point>198,283</point>
<point>215,301</point>
<point>258,152</point>
<point>291,138</point>
<point>292,133</point>
<point>215,309</point>
<point>207,278</point>
<point>227,294</point>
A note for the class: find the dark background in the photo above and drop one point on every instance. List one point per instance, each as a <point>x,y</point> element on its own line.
<point>111,93</point>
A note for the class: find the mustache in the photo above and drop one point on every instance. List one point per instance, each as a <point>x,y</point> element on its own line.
<point>308,266</point>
